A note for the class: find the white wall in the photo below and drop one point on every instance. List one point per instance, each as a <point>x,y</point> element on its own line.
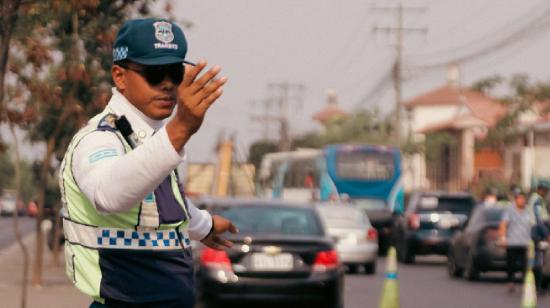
<point>542,162</point>
<point>429,115</point>
<point>527,166</point>
<point>414,172</point>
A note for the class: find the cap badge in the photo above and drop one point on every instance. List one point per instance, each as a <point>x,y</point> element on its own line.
<point>163,31</point>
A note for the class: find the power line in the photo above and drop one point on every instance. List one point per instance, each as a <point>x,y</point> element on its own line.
<point>346,47</point>
<point>540,23</point>
<point>377,90</point>
<point>287,93</point>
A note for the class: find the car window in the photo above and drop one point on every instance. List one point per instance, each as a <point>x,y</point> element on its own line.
<point>483,216</point>
<point>274,220</point>
<point>455,205</point>
<point>475,219</point>
<point>493,215</point>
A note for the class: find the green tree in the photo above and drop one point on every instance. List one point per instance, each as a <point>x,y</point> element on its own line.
<point>257,151</point>
<point>60,60</point>
<point>6,170</point>
<point>523,95</point>
<point>365,126</point>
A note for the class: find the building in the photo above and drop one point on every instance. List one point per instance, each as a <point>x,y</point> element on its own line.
<point>460,117</point>
<point>331,111</point>
<point>526,160</point>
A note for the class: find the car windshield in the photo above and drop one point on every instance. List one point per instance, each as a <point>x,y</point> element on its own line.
<point>343,217</point>
<point>455,205</point>
<point>493,215</point>
<point>274,220</point>
<point>369,204</point>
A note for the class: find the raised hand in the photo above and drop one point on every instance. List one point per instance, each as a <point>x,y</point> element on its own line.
<point>195,95</point>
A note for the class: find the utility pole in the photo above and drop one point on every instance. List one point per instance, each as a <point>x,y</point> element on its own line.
<point>223,172</point>
<point>400,30</point>
<point>266,118</point>
<point>286,93</point>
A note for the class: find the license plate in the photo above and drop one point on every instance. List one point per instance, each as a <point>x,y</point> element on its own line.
<point>279,262</point>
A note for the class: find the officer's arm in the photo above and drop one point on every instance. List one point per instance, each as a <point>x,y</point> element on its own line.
<point>538,208</point>
<point>114,181</point>
<point>200,222</point>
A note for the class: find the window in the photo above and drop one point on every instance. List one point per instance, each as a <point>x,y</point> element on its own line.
<point>455,205</point>
<point>344,217</point>
<point>274,220</point>
<point>365,166</point>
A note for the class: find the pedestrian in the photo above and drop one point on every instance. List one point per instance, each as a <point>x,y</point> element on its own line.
<point>515,235</point>
<point>490,198</point>
<point>539,231</point>
<point>126,219</point>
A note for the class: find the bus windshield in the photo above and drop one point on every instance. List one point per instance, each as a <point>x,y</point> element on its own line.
<point>365,166</point>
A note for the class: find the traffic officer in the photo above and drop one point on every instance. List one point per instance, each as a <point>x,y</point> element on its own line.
<point>539,232</point>
<point>127,221</point>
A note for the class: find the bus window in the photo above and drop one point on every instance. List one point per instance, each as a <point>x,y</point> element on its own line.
<point>365,166</point>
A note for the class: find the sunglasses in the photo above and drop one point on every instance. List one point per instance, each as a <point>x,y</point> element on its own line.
<point>155,74</point>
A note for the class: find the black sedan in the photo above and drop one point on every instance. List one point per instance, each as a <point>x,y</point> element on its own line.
<point>429,223</point>
<point>474,248</point>
<point>280,254</point>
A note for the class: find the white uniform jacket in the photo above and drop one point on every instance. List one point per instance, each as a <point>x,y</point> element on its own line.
<point>114,181</point>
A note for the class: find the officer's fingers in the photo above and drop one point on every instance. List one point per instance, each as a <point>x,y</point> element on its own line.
<point>191,72</point>
<point>213,85</point>
<point>209,100</point>
<point>223,242</point>
<point>232,228</point>
<point>219,243</point>
<point>198,84</point>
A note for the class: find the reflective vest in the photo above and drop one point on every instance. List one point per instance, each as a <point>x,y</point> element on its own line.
<point>138,256</point>
<point>537,207</point>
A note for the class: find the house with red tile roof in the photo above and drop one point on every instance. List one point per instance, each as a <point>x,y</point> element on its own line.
<point>330,111</point>
<point>464,116</point>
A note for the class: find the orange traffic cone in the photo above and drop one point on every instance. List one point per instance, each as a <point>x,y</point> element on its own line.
<point>529,298</point>
<point>390,293</point>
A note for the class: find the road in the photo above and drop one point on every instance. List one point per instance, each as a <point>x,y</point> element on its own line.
<point>422,285</point>
<point>7,236</point>
<point>426,284</point>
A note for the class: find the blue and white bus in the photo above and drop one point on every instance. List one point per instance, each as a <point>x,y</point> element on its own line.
<point>370,176</point>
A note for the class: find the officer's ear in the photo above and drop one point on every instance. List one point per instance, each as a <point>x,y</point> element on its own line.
<point>119,77</point>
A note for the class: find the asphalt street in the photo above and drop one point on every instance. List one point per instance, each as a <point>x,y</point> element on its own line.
<point>426,284</point>
<point>7,235</point>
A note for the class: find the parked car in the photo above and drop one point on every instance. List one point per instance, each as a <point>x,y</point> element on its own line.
<point>280,253</point>
<point>355,237</point>
<point>9,204</point>
<point>429,222</point>
<point>474,247</point>
<point>381,217</point>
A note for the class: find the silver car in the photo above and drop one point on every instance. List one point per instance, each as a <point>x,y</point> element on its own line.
<point>355,238</point>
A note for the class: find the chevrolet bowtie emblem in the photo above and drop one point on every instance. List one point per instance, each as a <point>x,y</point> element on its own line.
<point>272,250</point>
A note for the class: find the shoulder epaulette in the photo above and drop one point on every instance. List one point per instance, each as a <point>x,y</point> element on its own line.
<point>107,123</point>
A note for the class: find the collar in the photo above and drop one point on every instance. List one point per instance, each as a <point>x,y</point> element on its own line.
<point>143,126</point>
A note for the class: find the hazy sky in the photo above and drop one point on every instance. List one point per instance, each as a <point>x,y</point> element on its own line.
<point>326,44</point>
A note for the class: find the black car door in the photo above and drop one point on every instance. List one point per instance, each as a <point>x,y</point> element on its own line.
<point>467,235</point>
